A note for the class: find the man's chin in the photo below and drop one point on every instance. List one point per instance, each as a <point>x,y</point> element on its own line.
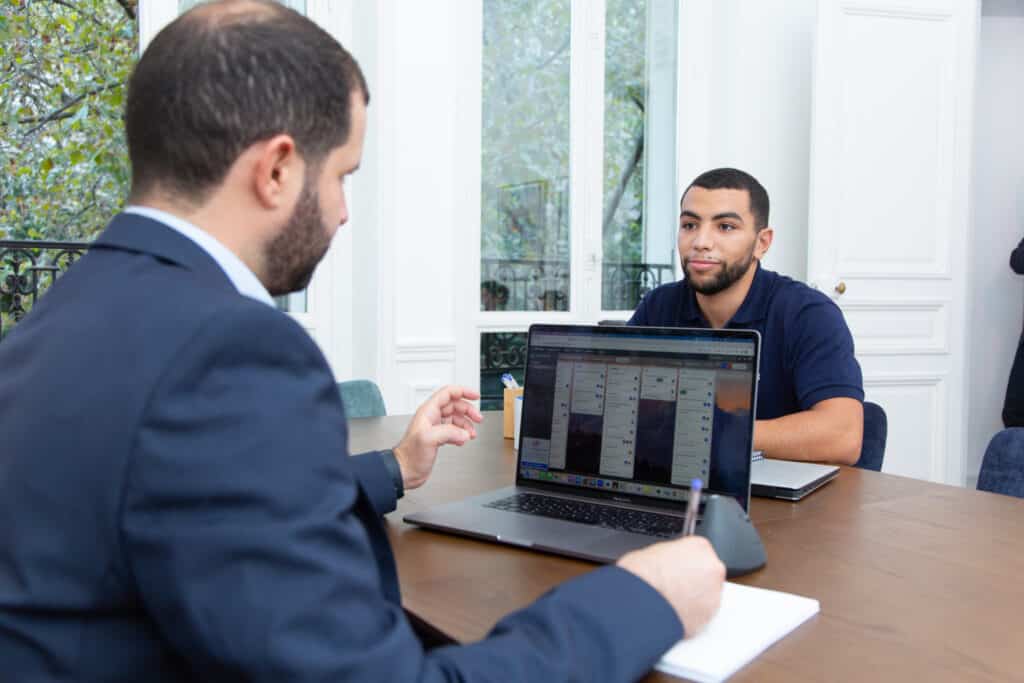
<point>298,279</point>
<point>296,284</point>
<point>703,279</point>
<point>707,284</point>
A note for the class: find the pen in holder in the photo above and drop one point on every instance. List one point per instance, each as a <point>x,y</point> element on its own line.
<point>509,410</point>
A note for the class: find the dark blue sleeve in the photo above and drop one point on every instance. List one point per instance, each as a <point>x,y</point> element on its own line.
<point>376,480</point>
<point>607,625</point>
<point>255,550</point>
<point>820,355</point>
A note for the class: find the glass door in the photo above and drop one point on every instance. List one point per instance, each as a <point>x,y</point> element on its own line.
<point>578,184</point>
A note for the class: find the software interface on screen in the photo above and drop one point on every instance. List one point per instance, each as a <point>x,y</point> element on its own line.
<point>640,414</point>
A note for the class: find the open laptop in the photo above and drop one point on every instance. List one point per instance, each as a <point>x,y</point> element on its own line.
<point>787,479</point>
<point>617,422</point>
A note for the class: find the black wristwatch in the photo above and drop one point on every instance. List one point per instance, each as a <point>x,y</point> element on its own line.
<point>395,470</point>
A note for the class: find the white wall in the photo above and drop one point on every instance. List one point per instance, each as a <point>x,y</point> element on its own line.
<point>745,101</point>
<point>404,270</point>
<point>996,293</point>
<point>368,205</point>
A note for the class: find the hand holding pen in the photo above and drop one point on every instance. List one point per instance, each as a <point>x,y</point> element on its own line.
<point>686,570</point>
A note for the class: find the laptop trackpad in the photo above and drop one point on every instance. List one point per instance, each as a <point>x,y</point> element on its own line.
<point>555,533</point>
<point>615,545</point>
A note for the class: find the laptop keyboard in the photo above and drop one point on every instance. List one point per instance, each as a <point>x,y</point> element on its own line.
<point>607,516</point>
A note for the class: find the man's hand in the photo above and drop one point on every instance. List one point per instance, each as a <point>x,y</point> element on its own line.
<point>687,573</point>
<point>447,417</point>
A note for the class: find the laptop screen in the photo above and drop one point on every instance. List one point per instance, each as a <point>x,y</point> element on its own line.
<point>636,413</point>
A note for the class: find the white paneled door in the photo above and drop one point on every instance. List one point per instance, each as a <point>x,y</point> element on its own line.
<point>890,177</point>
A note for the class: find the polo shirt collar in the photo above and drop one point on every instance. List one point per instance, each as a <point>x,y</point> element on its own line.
<point>689,310</point>
<point>753,309</point>
<point>755,305</point>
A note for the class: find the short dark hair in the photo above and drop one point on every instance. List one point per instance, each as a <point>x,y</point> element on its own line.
<point>224,76</point>
<point>735,179</point>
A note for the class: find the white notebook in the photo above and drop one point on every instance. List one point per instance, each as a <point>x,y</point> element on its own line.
<point>749,621</point>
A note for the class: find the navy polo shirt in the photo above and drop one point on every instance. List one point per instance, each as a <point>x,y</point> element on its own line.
<point>806,347</point>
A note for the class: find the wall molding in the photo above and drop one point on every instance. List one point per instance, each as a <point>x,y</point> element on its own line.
<point>939,467</point>
<point>899,379</point>
<point>425,350</point>
<point>900,304</point>
<point>944,276</point>
<point>868,10</point>
<point>419,391</point>
<point>938,309</point>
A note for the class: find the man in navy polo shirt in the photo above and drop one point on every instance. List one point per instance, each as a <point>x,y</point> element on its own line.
<point>810,397</point>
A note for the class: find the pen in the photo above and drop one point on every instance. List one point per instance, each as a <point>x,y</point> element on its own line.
<point>690,520</point>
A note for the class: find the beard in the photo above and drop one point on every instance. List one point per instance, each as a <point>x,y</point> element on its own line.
<point>727,276</point>
<point>294,254</point>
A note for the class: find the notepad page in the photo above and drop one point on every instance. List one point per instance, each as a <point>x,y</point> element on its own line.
<point>748,622</point>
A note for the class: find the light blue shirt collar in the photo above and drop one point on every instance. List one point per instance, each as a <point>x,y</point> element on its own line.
<point>244,280</point>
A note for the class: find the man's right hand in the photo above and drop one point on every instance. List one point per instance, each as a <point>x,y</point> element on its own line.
<point>447,417</point>
<point>687,573</point>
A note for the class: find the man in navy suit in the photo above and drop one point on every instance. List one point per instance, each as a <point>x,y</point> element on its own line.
<point>176,497</point>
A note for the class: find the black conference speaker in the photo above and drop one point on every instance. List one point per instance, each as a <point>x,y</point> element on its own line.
<point>732,535</point>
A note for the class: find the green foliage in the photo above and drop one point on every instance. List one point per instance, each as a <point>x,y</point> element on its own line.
<point>624,105</point>
<point>525,150</point>
<point>63,72</point>
<point>525,146</point>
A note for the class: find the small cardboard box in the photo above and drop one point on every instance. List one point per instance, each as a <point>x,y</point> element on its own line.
<point>509,411</point>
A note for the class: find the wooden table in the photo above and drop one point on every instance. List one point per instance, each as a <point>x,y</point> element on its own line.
<point>917,581</point>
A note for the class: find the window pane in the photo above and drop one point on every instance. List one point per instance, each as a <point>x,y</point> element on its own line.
<point>292,303</point>
<point>525,156</point>
<point>639,156</point>
<point>500,352</point>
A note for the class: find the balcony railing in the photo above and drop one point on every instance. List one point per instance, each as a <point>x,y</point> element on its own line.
<point>27,269</point>
<point>624,284</point>
<point>543,285</point>
<point>537,285</point>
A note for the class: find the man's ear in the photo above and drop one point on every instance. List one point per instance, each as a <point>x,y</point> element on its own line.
<point>277,173</point>
<point>764,240</point>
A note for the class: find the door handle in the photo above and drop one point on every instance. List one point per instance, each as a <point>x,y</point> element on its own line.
<point>840,288</point>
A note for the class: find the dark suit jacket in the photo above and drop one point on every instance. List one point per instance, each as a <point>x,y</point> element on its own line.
<point>176,503</point>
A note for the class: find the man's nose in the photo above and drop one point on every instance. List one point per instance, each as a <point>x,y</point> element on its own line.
<point>343,218</point>
<point>702,238</point>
